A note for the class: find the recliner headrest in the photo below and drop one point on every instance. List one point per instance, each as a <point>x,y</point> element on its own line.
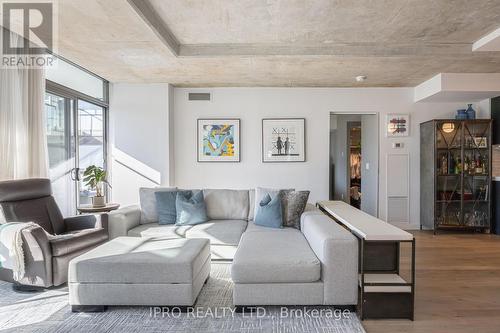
<point>24,189</point>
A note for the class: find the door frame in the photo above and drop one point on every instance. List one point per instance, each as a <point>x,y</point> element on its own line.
<point>72,97</point>
<point>361,113</point>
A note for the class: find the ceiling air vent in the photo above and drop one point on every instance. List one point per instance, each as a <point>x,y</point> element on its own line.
<point>199,96</point>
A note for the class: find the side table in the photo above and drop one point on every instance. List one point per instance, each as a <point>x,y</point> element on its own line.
<point>89,209</point>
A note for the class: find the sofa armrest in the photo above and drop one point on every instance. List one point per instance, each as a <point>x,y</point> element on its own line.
<point>337,249</point>
<point>37,258</point>
<point>88,221</point>
<point>120,221</point>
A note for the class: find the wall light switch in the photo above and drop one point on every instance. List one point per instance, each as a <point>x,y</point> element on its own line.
<point>398,145</point>
<point>367,167</point>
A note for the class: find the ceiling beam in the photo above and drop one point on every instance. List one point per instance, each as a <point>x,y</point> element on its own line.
<point>490,42</point>
<point>154,21</point>
<point>334,49</point>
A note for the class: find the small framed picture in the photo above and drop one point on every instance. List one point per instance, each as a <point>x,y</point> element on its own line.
<point>283,140</point>
<point>218,140</point>
<point>397,125</point>
<point>481,142</point>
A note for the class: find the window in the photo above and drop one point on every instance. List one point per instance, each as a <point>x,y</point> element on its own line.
<point>76,78</point>
<point>76,122</point>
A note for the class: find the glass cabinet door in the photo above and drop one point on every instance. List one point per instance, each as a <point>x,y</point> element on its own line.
<point>462,173</point>
<point>476,173</point>
<point>448,172</point>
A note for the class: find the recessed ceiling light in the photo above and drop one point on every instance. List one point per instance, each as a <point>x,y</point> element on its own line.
<point>361,78</point>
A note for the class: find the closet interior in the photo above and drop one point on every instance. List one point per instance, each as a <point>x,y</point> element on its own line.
<point>355,163</point>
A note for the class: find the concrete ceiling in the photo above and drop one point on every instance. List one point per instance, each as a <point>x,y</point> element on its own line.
<point>277,43</point>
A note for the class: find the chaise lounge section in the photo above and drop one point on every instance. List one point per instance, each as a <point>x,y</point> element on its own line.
<point>316,265</point>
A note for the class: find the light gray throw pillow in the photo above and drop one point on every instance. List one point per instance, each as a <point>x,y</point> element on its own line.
<point>149,211</point>
<point>295,203</point>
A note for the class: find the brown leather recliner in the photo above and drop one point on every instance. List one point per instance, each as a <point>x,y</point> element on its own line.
<point>47,258</point>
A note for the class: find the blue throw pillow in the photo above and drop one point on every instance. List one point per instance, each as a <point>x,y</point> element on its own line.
<point>165,206</point>
<point>269,212</point>
<point>190,208</point>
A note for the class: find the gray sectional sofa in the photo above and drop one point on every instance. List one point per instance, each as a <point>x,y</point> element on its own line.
<point>228,210</point>
<point>317,265</point>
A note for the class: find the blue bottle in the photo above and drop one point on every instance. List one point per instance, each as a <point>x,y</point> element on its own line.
<point>471,113</point>
<point>461,114</point>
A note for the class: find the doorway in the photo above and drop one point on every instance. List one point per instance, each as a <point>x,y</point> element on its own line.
<point>76,138</point>
<point>354,160</point>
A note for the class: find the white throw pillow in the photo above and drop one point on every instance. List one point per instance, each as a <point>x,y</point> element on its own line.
<point>149,213</point>
<point>261,192</point>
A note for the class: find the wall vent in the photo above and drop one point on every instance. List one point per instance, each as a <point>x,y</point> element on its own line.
<point>199,96</point>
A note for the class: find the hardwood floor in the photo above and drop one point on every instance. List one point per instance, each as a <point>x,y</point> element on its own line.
<point>457,286</point>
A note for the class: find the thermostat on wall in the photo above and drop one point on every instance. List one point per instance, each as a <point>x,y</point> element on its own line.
<point>398,145</point>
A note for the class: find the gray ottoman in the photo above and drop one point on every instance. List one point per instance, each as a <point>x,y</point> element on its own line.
<point>139,271</point>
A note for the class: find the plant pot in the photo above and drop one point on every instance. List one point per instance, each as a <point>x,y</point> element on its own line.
<point>98,202</point>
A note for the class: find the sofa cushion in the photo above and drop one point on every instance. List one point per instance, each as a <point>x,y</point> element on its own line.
<point>269,213</point>
<point>142,261</point>
<point>261,192</point>
<point>251,210</point>
<point>295,204</point>
<point>275,256</point>
<point>219,232</point>
<point>77,240</point>
<point>157,230</point>
<point>165,206</point>
<point>149,212</point>
<point>226,204</point>
<point>251,226</point>
<point>190,208</point>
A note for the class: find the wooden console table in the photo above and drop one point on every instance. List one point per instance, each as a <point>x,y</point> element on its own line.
<point>383,292</point>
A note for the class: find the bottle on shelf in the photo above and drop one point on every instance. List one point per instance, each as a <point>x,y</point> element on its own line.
<point>451,166</point>
<point>444,165</point>
<point>458,166</point>
<point>479,167</point>
<point>485,165</point>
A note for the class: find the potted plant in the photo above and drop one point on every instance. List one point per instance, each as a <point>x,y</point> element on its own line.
<point>95,177</point>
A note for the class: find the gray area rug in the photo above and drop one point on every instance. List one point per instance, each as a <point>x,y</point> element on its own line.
<point>49,311</point>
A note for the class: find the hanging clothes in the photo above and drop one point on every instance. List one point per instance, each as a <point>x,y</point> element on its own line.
<point>355,165</point>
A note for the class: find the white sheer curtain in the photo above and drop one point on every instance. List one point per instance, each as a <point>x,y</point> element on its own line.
<point>23,143</point>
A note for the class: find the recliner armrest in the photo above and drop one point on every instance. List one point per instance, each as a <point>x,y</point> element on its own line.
<point>88,221</point>
<point>37,258</point>
<point>120,221</point>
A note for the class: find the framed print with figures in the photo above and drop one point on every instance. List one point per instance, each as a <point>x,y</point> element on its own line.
<point>283,140</point>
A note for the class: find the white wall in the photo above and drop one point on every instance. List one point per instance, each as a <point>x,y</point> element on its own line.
<point>315,104</point>
<point>141,139</point>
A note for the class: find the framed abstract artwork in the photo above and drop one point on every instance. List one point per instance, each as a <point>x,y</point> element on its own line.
<point>397,125</point>
<point>283,140</point>
<point>218,140</point>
